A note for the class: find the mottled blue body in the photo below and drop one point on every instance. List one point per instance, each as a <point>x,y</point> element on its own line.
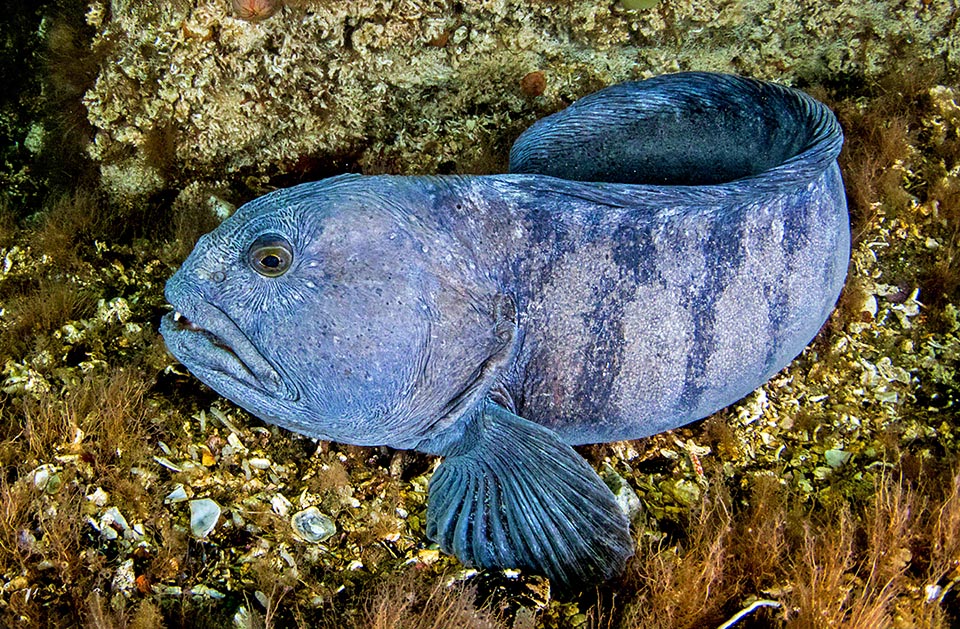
<point>660,251</point>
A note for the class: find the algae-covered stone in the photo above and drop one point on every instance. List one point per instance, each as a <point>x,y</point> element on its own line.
<point>186,93</point>
<point>682,491</point>
<point>626,497</point>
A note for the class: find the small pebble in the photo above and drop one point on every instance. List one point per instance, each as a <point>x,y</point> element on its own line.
<point>207,592</point>
<point>312,526</point>
<point>869,306</point>
<point>204,514</point>
<point>47,479</point>
<point>534,84</point>
<point>428,555</point>
<point>255,10</point>
<point>26,541</point>
<point>235,442</point>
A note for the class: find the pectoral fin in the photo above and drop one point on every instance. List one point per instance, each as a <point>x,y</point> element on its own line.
<point>510,494</point>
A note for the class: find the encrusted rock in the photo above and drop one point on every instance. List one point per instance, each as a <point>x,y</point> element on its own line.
<point>182,83</point>
<point>626,497</point>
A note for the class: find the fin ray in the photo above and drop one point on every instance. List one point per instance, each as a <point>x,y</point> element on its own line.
<point>510,494</point>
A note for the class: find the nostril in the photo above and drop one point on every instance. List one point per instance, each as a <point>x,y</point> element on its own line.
<point>216,276</point>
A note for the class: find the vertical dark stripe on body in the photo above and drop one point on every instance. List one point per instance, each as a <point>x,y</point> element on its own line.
<point>635,258</point>
<point>798,220</point>
<point>549,241</point>
<point>776,296</point>
<point>723,249</point>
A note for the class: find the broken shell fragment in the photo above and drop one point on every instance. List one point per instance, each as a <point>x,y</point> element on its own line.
<point>281,506</point>
<point>179,494</point>
<point>47,478</point>
<point>312,526</point>
<point>204,514</point>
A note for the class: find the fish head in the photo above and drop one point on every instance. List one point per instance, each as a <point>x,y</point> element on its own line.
<point>322,309</point>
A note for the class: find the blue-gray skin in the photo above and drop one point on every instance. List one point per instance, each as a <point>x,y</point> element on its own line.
<point>661,249</point>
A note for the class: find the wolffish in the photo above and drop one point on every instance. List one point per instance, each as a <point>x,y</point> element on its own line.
<point>659,250</point>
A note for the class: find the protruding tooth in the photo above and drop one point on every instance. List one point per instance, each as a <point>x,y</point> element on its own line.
<point>177,316</point>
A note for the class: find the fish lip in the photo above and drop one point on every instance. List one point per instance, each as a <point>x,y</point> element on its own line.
<point>208,341</point>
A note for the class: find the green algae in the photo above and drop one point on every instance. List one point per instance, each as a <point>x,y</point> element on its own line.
<point>639,5</point>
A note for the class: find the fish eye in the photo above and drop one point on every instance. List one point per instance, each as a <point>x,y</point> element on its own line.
<point>270,255</point>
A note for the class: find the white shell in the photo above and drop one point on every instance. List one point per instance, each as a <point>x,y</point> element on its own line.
<point>204,514</point>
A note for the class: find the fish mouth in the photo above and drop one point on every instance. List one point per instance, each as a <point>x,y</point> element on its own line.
<point>208,342</point>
